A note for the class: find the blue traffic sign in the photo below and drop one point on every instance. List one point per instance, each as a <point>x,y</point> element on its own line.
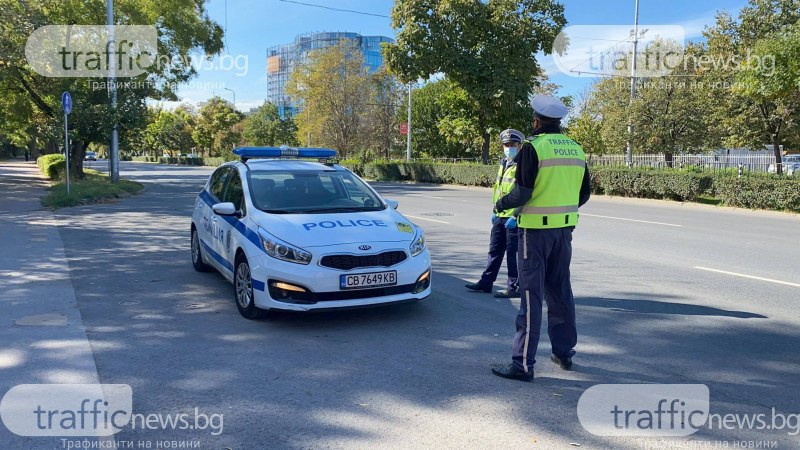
<point>66,102</point>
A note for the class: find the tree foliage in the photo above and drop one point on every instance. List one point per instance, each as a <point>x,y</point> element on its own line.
<point>216,130</point>
<point>334,88</point>
<point>487,48</point>
<point>266,127</point>
<point>34,100</point>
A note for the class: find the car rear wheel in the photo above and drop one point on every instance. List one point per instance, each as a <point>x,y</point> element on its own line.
<point>197,255</point>
<point>243,290</point>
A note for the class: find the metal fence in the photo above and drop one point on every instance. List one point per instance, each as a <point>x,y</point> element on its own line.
<point>750,163</point>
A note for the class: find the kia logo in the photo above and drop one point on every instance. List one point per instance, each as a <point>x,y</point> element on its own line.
<point>364,247</point>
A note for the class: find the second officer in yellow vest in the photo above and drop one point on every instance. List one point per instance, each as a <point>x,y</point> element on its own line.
<point>552,182</point>
<point>503,238</point>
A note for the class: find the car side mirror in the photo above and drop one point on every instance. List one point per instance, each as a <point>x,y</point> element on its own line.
<point>393,203</point>
<point>224,209</point>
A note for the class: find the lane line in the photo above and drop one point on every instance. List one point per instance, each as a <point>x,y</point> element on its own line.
<point>429,220</point>
<point>632,220</point>
<point>423,195</point>
<point>751,277</point>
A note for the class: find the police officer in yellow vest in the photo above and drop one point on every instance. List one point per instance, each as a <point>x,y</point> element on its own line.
<point>503,239</point>
<point>552,182</point>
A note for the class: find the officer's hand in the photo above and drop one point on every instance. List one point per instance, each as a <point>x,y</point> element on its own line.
<point>495,219</point>
<point>511,223</point>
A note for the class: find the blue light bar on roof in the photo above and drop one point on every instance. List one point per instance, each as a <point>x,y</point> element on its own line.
<point>277,152</point>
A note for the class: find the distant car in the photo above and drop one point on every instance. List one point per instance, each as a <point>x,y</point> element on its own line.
<point>305,235</point>
<point>90,156</point>
<point>192,155</point>
<point>791,163</point>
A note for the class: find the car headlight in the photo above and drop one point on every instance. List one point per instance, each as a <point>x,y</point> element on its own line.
<point>279,249</point>
<point>418,245</point>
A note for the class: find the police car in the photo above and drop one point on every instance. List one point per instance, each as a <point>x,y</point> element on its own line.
<point>296,234</point>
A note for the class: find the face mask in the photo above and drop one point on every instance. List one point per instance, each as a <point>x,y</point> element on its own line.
<point>510,152</point>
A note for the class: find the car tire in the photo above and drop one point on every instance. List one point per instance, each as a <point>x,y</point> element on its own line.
<point>197,254</point>
<point>243,290</point>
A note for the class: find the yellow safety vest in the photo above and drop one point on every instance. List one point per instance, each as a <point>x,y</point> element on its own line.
<point>556,191</point>
<point>506,180</point>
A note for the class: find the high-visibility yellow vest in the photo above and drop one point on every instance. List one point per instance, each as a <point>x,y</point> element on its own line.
<point>506,179</point>
<point>556,191</point>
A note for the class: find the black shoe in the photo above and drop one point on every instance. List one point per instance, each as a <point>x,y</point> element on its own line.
<point>507,293</point>
<point>564,363</point>
<point>478,288</point>
<point>512,373</point>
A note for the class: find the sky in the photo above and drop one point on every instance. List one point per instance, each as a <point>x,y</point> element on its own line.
<point>253,25</point>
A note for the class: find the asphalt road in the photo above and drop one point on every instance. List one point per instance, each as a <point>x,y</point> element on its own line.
<point>666,293</point>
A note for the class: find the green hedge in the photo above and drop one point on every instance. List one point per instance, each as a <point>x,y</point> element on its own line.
<point>759,192</point>
<point>421,172</point>
<point>52,166</point>
<point>213,162</point>
<point>754,191</point>
<point>651,183</point>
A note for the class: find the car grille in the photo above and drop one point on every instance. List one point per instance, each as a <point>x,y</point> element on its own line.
<point>349,262</point>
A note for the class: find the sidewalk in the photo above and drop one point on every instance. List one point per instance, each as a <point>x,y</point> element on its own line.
<point>42,338</point>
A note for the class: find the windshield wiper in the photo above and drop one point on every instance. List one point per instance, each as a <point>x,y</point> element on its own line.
<point>341,209</point>
<point>278,211</point>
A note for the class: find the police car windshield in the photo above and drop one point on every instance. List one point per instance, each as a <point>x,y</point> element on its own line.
<point>310,192</point>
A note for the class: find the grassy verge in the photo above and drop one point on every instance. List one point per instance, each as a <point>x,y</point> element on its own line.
<point>95,188</point>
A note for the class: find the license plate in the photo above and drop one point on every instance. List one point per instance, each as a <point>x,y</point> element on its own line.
<point>368,280</point>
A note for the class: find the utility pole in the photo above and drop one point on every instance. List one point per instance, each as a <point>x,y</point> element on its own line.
<point>234,96</point>
<point>408,135</point>
<point>113,156</point>
<point>629,148</point>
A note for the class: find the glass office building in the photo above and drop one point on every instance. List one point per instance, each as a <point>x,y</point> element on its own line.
<point>281,60</point>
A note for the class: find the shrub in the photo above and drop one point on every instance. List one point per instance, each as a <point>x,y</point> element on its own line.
<point>759,192</point>
<point>52,166</point>
<point>424,172</point>
<point>669,184</point>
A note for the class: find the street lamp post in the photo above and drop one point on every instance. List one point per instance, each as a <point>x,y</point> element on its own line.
<point>113,154</point>
<point>408,129</point>
<point>629,147</point>
<point>234,96</point>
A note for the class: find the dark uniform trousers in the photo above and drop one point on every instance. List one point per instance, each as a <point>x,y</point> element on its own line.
<point>502,242</point>
<point>544,258</point>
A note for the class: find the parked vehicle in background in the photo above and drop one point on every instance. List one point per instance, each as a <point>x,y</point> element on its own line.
<point>90,156</point>
<point>791,163</point>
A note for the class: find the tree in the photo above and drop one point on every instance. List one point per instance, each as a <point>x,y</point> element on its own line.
<point>383,119</point>
<point>426,112</point>
<point>775,87</point>
<point>170,131</point>
<point>749,111</point>
<point>334,88</point>
<point>215,128</point>
<point>266,127</point>
<point>486,48</point>
<point>181,27</point>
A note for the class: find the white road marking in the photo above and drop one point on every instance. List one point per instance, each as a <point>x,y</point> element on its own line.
<point>429,220</point>
<point>423,195</point>
<point>751,277</point>
<point>632,220</point>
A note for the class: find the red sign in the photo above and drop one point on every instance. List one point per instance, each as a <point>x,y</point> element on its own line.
<point>403,128</point>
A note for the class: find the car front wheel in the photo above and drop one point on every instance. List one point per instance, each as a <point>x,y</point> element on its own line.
<point>243,290</point>
<point>197,255</point>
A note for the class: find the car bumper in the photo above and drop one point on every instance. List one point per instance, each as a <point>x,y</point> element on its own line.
<point>322,289</point>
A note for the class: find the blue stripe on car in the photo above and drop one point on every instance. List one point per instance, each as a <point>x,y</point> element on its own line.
<point>237,224</point>
<point>217,257</point>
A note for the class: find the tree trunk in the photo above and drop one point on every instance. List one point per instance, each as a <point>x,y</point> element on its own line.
<point>668,158</point>
<point>776,147</point>
<point>485,149</point>
<point>76,152</point>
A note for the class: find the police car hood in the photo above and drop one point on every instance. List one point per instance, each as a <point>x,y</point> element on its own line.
<point>321,230</point>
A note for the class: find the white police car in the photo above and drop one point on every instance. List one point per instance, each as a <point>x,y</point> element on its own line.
<point>301,235</point>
